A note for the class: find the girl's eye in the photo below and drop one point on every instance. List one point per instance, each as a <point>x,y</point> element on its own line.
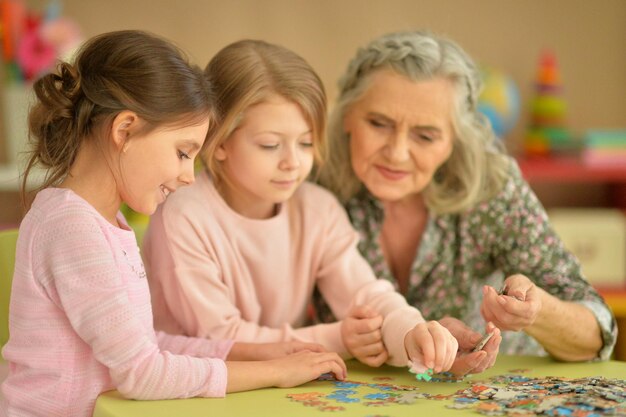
<point>269,146</point>
<point>183,155</point>
<point>306,144</point>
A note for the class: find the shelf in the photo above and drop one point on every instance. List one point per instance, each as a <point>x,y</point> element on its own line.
<point>569,169</point>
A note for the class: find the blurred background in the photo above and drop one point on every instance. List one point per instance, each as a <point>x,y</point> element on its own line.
<point>555,74</point>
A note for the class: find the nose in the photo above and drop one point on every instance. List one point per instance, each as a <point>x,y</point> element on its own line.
<point>187,176</point>
<point>290,158</point>
<point>397,148</point>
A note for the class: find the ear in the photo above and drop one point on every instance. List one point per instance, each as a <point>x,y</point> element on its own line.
<point>123,125</point>
<point>220,153</point>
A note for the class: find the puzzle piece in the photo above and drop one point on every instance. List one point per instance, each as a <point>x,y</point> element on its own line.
<point>481,344</point>
<point>421,372</point>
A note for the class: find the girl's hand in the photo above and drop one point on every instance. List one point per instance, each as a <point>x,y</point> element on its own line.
<point>287,371</point>
<point>517,308</point>
<point>431,345</point>
<point>467,361</point>
<point>362,336</point>
<point>306,366</point>
<point>266,351</point>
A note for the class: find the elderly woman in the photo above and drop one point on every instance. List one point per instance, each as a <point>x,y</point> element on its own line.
<point>443,213</point>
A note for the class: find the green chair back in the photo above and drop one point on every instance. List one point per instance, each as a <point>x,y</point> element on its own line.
<point>8,241</point>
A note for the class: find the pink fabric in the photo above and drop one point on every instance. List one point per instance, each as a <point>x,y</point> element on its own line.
<point>81,321</point>
<point>216,274</point>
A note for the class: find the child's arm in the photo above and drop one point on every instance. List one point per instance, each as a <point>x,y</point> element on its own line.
<point>346,280</point>
<point>285,372</point>
<point>196,347</point>
<point>266,351</point>
<point>95,291</point>
<point>193,292</point>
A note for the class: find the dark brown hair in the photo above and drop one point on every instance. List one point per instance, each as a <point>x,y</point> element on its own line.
<point>112,72</point>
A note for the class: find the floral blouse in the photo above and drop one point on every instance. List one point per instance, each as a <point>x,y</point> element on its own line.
<point>459,253</point>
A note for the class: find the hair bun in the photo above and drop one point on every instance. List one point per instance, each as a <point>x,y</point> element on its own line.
<point>69,79</point>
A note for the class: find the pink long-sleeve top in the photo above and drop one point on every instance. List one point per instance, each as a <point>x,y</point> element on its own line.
<point>216,274</point>
<point>80,319</point>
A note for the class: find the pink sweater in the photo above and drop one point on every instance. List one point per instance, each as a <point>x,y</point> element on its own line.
<point>81,321</point>
<point>216,274</point>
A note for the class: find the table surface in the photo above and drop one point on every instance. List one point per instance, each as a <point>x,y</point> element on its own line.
<point>275,401</point>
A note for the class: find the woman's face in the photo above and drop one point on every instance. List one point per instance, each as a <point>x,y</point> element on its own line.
<point>400,133</point>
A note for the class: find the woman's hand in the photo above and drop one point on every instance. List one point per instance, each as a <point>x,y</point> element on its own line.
<point>517,308</point>
<point>266,351</point>
<point>431,345</point>
<point>362,336</point>
<point>467,361</point>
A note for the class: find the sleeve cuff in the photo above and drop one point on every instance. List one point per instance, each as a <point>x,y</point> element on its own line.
<point>395,327</point>
<point>217,349</point>
<point>608,327</point>
<point>217,379</point>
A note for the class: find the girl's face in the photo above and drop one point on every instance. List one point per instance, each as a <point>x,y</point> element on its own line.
<point>400,133</point>
<point>156,164</point>
<point>266,158</point>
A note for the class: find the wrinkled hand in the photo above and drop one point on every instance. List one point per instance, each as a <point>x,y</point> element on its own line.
<point>517,309</point>
<point>467,361</point>
<point>431,345</point>
<point>362,336</point>
<point>305,366</point>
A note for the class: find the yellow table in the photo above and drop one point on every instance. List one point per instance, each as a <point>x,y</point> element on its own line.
<point>274,402</point>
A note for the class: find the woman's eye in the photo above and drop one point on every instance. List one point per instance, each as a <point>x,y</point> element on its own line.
<point>377,123</point>
<point>183,155</point>
<point>306,144</point>
<point>269,146</point>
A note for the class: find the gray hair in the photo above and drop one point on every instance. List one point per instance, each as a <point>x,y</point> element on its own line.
<point>477,167</point>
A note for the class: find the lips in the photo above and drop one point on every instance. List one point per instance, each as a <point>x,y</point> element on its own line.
<point>391,174</point>
<point>285,183</point>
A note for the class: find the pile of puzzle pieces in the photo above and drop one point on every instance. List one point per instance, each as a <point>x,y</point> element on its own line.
<point>517,395</point>
<point>510,395</point>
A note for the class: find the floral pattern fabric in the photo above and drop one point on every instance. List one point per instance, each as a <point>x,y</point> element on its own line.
<point>459,253</point>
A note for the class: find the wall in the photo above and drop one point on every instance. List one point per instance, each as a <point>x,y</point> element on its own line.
<point>589,37</point>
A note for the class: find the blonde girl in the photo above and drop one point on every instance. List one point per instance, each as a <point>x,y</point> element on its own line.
<point>238,254</point>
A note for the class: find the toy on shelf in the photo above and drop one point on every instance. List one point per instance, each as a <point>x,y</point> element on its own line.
<point>547,132</point>
<point>605,148</point>
<point>499,100</point>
